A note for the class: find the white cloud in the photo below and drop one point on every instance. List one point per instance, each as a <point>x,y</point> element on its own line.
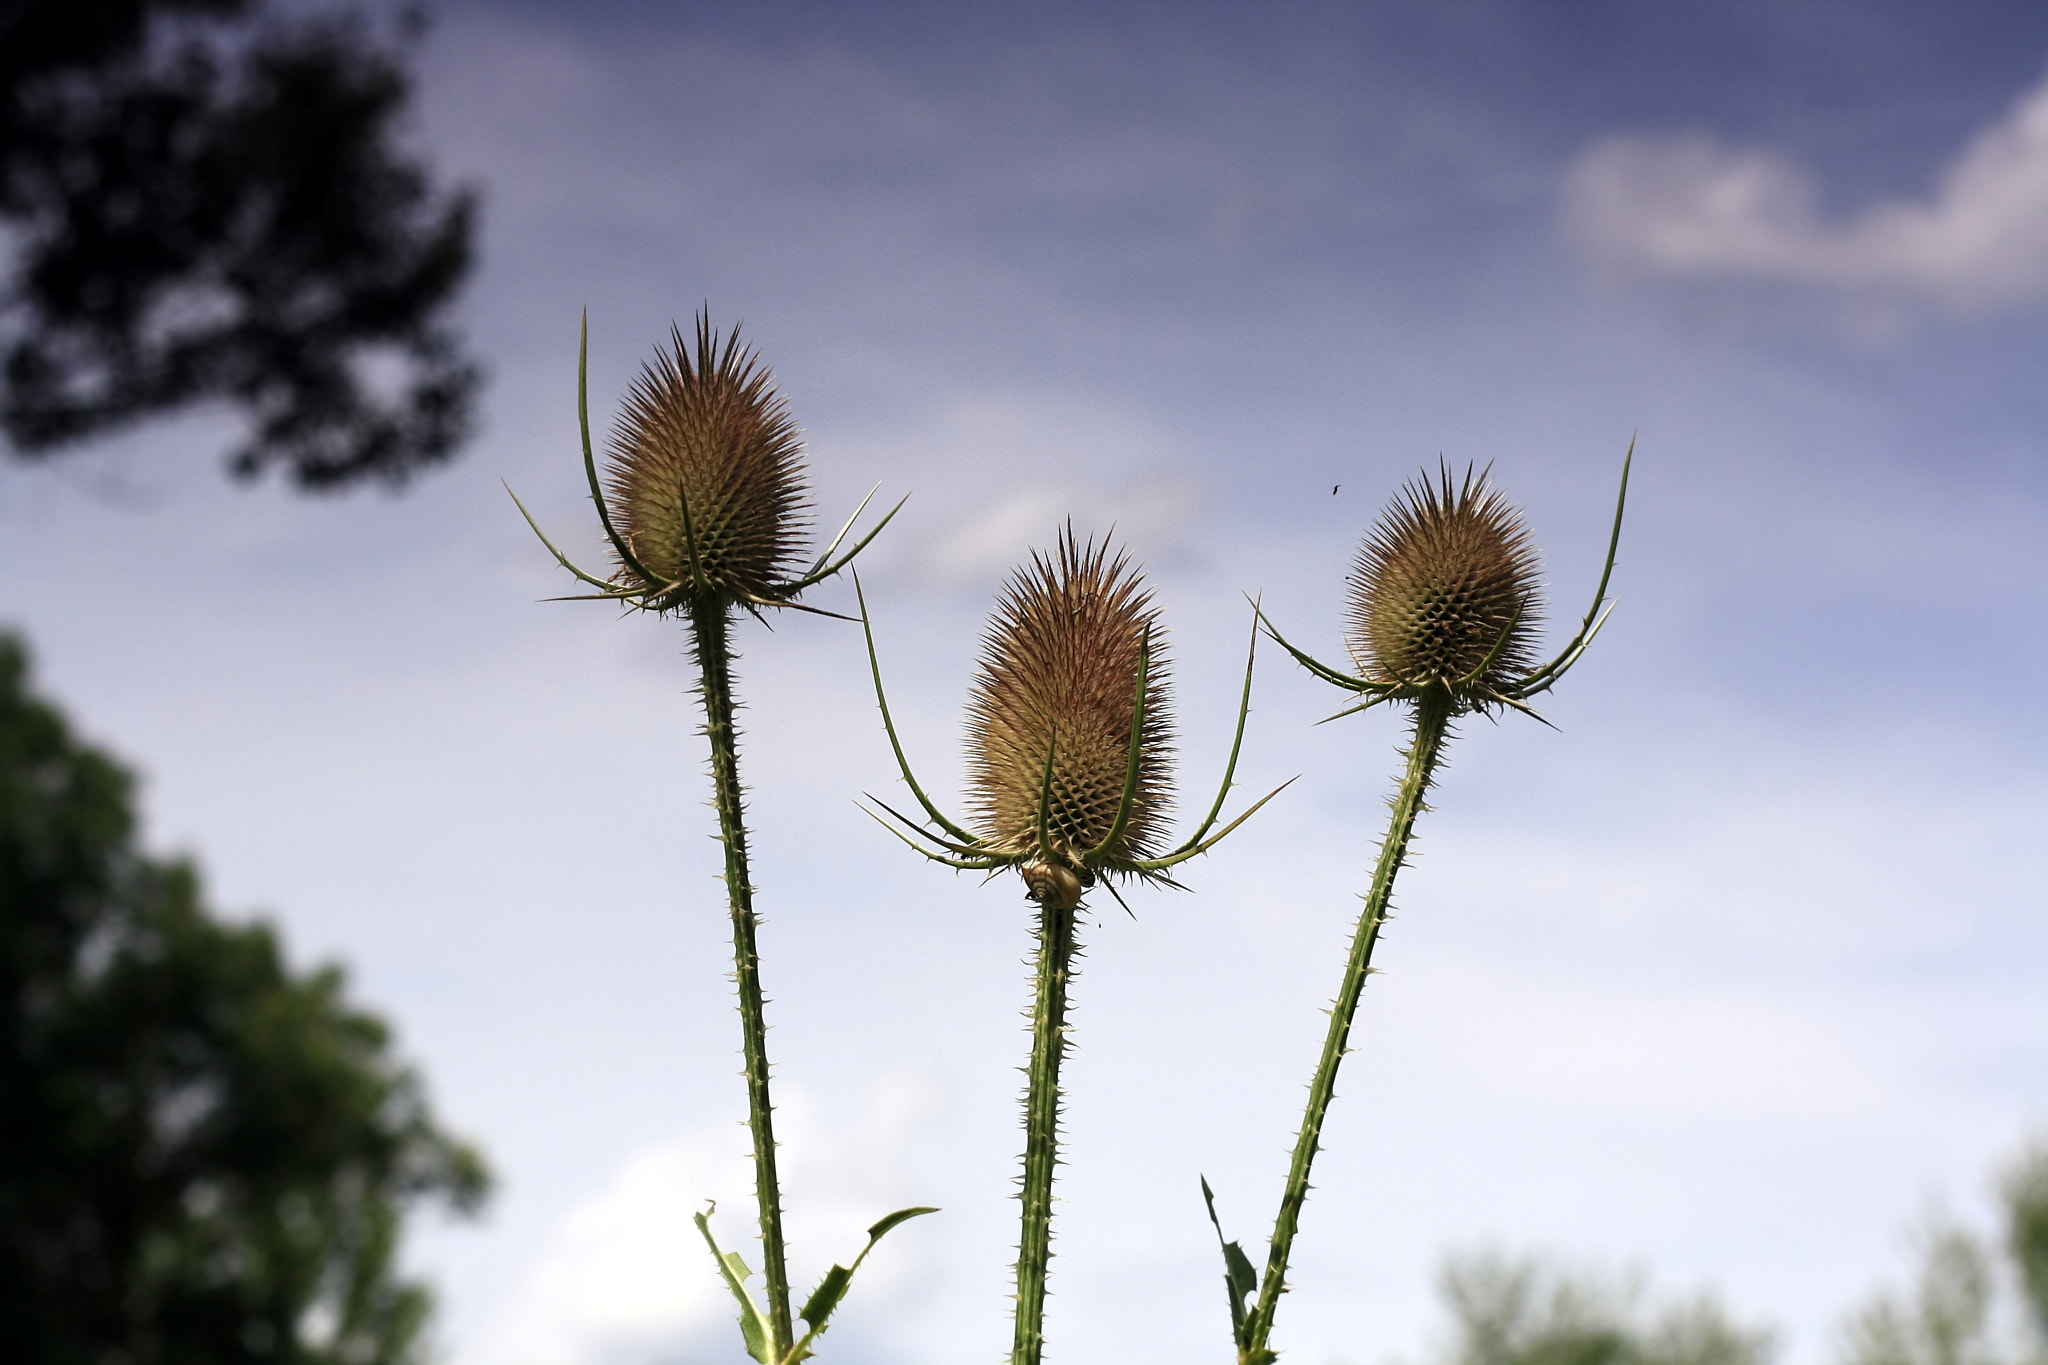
<point>1692,206</point>
<point>625,1276</point>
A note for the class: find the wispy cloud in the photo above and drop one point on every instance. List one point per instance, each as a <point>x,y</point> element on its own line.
<point>1693,206</point>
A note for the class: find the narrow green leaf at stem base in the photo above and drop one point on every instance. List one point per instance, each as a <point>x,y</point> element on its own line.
<point>894,1220</point>
<point>818,1309</point>
<point>1240,1279</point>
<point>734,1272</point>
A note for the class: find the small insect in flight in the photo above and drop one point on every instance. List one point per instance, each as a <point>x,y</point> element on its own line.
<point>1333,489</point>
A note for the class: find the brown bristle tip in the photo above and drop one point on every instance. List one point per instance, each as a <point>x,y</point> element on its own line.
<point>1059,675</point>
<point>705,427</point>
<point>1446,573</point>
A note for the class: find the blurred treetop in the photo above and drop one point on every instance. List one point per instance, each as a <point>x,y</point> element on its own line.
<point>1979,1301</point>
<point>204,1155</point>
<point>204,201</point>
<point>1528,1311</point>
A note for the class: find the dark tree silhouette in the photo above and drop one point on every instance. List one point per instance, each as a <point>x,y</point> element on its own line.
<point>206,201</point>
<point>204,1156</point>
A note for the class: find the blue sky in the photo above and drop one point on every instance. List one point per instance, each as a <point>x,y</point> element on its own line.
<point>1738,976</point>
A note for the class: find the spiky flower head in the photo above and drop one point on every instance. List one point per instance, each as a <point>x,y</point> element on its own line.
<point>1444,590</point>
<point>706,474</point>
<point>1050,719</point>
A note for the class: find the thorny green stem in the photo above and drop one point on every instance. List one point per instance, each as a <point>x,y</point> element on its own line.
<point>711,628</point>
<point>1432,722</point>
<point>1056,944</point>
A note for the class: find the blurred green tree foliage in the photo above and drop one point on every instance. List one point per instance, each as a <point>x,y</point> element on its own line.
<point>206,202</point>
<point>1980,1301</point>
<point>205,1157</point>
<point>1528,1311</point>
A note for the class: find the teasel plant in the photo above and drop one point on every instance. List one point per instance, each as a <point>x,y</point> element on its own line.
<point>705,505</point>
<point>1070,756</point>
<point>1441,617</point>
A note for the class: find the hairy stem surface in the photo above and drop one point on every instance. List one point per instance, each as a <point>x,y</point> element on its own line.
<point>1056,944</point>
<point>710,625</point>
<point>1432,722</point>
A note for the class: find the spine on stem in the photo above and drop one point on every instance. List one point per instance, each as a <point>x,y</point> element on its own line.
<point>1432,722</point>
<point>711,623</point>
<point>1056,946</point>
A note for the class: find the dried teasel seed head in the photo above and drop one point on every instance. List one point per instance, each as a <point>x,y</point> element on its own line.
<point>708,431</point>
<point>1059,676</point>
<point>1447,571</point>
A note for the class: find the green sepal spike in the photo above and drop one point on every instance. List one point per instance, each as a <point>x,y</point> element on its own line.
<point>1240,1278</point>
<point>604,513</point>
